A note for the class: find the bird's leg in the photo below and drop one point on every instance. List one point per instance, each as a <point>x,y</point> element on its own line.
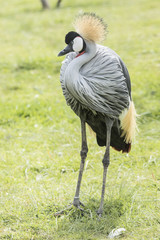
<point>105,161</point>
<point>83,153</point>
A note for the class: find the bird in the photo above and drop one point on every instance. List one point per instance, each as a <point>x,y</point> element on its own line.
<point>96,85</point>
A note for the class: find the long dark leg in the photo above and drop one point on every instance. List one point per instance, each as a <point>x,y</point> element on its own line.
<point>106,161</point>
<point>83,153</point>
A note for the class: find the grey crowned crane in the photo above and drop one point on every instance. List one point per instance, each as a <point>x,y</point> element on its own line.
<point>96,85</point>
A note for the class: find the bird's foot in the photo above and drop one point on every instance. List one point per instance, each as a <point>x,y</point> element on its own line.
<point>68,208</point>
<point>76,203</point>
<point>99,212</point>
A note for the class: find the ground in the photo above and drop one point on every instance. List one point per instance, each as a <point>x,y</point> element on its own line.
<point>40,135</point>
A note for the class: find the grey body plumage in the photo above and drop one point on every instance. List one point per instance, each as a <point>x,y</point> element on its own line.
<point>96,85</point>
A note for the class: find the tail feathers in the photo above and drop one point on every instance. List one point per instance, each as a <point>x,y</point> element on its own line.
<point>128,123</point>
<point>123,130</point>
<point>117,142</point>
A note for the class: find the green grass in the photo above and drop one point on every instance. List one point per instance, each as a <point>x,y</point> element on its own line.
<point>40,135</point>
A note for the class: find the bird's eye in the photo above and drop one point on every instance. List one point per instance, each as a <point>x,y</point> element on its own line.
<point>77,44</point>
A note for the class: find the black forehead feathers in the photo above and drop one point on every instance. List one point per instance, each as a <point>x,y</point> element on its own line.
<point>70,36</point>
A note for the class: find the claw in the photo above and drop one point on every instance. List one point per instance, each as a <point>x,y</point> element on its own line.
<point>81,209</point>
<point>99,212</point>
<point>81,204</point>
<point>63,211</point>
<point>76,203</point>
<point>99,215</point>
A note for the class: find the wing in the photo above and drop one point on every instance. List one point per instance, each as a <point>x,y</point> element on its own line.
<point>124,70</point>
<point>101,85</point>
<point>126,75</point>
<point>105,77</point>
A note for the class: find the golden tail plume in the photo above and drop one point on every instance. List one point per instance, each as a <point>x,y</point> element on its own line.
<point>128,123</point>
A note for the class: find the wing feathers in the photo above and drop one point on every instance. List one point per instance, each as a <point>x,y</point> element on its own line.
<point>101,85</point>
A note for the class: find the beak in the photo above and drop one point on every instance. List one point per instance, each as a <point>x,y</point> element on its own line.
<point>66,50</point>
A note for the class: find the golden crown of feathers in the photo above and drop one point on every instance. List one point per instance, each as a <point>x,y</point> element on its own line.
<point>90,27</point>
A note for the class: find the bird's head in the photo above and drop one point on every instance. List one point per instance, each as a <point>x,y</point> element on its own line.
<point>89,27</point>
<point>75,43</point>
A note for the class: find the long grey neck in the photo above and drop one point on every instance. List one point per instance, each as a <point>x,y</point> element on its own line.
<point>72,73</point>
<point>84,58</point>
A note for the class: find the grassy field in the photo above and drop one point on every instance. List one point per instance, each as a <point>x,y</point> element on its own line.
<point>40,135</point>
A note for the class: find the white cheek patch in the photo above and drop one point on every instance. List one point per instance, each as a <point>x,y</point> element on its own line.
<point>77,44</point>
